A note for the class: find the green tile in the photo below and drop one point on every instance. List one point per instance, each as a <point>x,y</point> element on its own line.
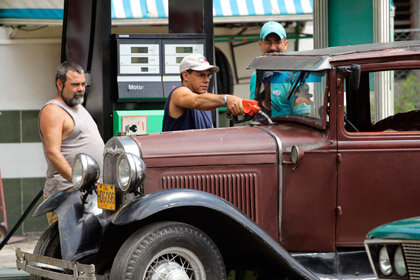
<point>9,126</point>
<point>30,132</point>
<point>31,187</point>
<point>12,196</point>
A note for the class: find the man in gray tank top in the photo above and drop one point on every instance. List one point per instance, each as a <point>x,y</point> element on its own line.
<point>66,129</point>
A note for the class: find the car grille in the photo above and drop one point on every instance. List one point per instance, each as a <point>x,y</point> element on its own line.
<point>412,258</point>
<point>238,189</point>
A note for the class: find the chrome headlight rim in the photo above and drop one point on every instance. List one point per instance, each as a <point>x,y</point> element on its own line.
<point>131,176</point>
<point>399,262</point>
<point>85,172</point>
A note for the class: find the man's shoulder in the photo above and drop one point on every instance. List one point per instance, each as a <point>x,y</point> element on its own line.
<point>178,94</point>
<point>180,89</point>
<point>53,112</point>
<point>52,107</point>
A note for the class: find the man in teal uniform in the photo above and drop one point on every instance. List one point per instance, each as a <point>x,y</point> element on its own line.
<point>273,40</point>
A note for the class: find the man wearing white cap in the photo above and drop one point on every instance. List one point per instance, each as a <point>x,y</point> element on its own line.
<point>189,105</point>
<point>273,40</point>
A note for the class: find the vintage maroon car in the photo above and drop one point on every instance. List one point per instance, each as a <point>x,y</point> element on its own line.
<point>310,185</point>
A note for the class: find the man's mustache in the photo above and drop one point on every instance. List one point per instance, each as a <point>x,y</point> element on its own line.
<point>79,94</point>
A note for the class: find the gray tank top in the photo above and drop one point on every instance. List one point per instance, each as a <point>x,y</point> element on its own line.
<point>85,138</point>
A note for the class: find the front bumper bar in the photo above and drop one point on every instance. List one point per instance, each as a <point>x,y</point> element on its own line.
<point>53,268</point>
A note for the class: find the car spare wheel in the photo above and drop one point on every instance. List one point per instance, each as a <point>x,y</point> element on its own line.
<point>168,250</point>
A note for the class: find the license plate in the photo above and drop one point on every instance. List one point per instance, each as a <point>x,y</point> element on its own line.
<point>106,196</point>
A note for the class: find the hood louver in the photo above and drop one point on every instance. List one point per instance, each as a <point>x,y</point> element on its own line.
<point>238,188</point>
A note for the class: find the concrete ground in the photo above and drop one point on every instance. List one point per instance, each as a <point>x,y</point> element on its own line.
<point>7,253</point>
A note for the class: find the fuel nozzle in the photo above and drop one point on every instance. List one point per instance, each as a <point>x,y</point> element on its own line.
<point>251,108</point>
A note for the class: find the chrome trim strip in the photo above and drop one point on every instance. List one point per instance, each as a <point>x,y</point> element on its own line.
<point>389,241</point>
<point>280,171</point>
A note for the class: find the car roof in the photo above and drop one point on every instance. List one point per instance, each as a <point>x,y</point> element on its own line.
<point>322,59</point>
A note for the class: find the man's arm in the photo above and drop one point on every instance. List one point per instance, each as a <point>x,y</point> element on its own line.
<point>183,98</point>
<point>54,124</point>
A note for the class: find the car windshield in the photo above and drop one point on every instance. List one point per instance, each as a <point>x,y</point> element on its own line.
<point>290,95</point>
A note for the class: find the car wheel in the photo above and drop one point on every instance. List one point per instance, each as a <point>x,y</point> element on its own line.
<point>3,233</point>
<point>48,245</point>
<point>168,250</point>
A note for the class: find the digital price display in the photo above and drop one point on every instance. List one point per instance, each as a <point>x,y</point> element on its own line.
<point>148,64</point>
<point>184,50</point>
<point>138,60</point>
<point>139,49</point>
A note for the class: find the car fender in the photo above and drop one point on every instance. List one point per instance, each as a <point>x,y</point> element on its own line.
<point>155,204</point>
<point>51,203</point>
<point>80,230</point>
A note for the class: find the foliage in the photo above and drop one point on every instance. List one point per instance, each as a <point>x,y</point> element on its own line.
<point>408,98</point>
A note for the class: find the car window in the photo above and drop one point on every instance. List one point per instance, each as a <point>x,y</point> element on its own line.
<point>402,85</point>
<point>293,94</point>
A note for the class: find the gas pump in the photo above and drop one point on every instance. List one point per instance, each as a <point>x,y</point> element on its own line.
<point>131,75</point>
<point>147,71</point>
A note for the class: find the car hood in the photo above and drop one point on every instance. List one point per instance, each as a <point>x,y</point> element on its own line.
<point>402,229</point>
<point>234,145</point>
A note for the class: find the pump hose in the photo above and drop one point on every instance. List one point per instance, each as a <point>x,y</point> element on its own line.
<point>267,117</point>
<point>22,218</point>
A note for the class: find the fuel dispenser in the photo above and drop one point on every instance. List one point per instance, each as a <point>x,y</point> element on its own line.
<point>131,75</point>
<point>147,71</point>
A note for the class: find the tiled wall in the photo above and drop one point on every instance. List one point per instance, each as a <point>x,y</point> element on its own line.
<point>19,194</point>
<point>19,126</point>
<point>18,137</point>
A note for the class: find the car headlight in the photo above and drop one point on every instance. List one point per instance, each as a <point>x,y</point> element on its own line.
<point>384,262</point>
<point>399,263</point>
<point>131,171</point>
<point>85,172</point>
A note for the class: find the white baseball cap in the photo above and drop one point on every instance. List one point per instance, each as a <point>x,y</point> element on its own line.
<point>196,62</point>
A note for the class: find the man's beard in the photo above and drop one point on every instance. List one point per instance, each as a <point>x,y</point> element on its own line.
<point>77,99</point>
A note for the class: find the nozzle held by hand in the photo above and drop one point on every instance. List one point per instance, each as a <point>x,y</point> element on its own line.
<point>250,107</point>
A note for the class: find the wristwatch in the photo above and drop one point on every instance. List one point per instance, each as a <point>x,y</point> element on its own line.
<point>224,100</point>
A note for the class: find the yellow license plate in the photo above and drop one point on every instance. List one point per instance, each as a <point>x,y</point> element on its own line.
<point>106,196</point>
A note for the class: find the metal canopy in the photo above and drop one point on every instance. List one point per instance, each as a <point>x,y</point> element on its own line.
<point>138,12</point>
<point>320,59</point>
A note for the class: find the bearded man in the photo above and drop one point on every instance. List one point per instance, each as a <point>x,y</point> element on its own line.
<point>66,129</point>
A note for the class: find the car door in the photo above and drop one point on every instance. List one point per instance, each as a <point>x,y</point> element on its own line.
<point>378,160</point>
